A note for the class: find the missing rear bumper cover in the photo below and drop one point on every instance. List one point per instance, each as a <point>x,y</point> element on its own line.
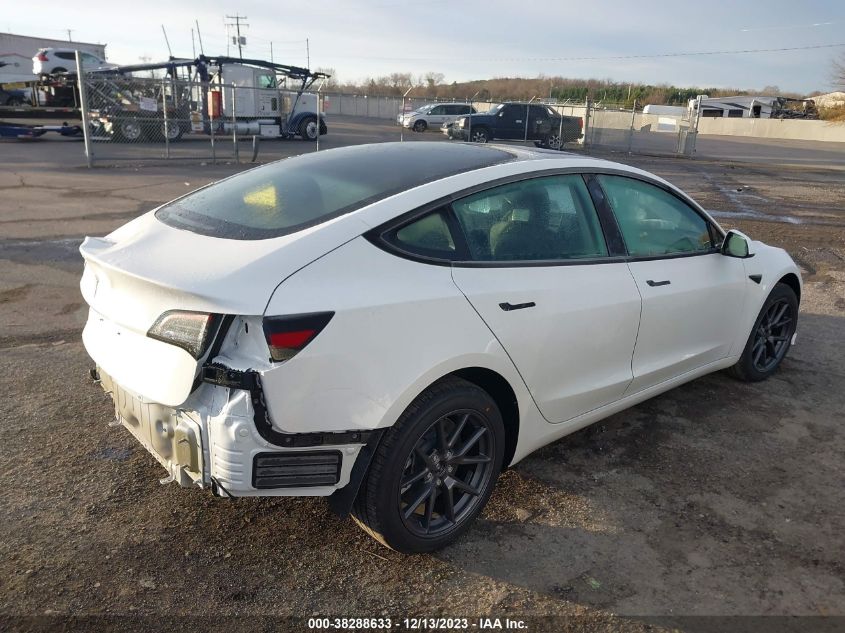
<point>250,381</point>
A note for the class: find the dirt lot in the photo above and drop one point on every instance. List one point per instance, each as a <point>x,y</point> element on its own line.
<point>716,499</point>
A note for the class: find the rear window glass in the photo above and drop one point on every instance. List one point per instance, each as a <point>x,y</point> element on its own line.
<point>304,191</point>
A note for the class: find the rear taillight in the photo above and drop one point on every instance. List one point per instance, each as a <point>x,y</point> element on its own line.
<point>288,335</point>
<point>192,331</point>
<point>43,58</point>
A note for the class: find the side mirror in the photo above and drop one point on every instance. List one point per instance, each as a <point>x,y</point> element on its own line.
<point>737,244</point>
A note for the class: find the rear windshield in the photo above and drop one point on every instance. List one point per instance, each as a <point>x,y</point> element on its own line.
<point>296,193</point>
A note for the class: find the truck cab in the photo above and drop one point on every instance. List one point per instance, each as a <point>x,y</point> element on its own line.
<point>257,102</point>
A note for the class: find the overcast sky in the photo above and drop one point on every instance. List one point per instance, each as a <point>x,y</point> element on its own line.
<point>471,39</point>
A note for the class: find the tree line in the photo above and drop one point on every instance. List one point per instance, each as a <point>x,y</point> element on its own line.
<point>432,85</point>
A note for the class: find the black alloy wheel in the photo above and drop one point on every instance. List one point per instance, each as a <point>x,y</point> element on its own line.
<point>771,339</point>
<point>434,469</point>
<point>771,336</point>
<point>444,476</point>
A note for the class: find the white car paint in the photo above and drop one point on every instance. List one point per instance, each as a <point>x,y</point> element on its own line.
<point>601,340</point>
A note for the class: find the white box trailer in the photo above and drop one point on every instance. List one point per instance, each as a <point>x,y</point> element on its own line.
<point>664,110</point>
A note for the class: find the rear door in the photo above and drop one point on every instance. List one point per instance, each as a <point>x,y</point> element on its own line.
<point>692,295</point>
<point>539,122</point>
<point>543,280</point>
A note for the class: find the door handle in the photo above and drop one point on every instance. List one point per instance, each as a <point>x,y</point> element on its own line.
<point>507,307</point>
<point>653,283</point>
<point>519,120</point>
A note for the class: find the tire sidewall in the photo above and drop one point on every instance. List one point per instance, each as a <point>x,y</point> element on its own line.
<point>393,529</point>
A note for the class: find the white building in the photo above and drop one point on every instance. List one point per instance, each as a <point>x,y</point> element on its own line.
<point>17,51</point>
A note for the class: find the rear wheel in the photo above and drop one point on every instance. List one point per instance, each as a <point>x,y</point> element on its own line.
<point>771,336</point>
<point>553,142</point>
<point>434,469</point>
<point>128,130</point>
<point>420,126</point>
<point>173,132</point>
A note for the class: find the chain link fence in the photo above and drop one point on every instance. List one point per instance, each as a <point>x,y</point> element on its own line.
<point>621,129</point>
<point>148,118</point>
<point>134,118</point>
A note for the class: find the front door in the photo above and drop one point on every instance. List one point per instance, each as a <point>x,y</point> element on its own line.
<point>692,295</point>
<point>542,280</point>
<point>511,123</point>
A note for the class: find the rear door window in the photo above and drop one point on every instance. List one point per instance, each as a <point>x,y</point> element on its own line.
<point>542,219</point>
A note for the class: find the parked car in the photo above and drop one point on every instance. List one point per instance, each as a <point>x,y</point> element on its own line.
<point>517,121</point>
<point>50,61</point>
<point>390,325</point>
<point>434,115</point>
<point>13,97</point>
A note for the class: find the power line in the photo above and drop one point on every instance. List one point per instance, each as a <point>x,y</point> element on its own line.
<point>607,57</point>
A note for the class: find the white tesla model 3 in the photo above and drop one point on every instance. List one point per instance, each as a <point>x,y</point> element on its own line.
<point>390,325</point>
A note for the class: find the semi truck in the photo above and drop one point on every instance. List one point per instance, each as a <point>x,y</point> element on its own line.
<point>210,95</point>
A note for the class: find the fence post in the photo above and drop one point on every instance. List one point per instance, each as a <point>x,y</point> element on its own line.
<point>235,125</point>
<point>166,122</point>
<point>211,124</point>
<point>587,106</point>
<point>631,129</point>
<point>83,105</point>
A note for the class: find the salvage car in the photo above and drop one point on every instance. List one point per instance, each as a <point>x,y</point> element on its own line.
<point>390,325</point>
<point>517,121</point>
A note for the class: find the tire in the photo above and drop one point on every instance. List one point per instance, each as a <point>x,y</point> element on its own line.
<point>308,129</point>
<point>552,141</point>
<point>479,135</point>
<point>175,130</point>
<point>128,131</point>
<point>770,337</point>
<point>429,449</point>
<point>420,126</point>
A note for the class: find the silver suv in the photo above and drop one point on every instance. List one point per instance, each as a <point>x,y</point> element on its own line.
<point>48,61</point>
<point>433,115</point>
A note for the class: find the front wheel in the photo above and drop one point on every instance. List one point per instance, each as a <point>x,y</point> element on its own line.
<point>308,129</point>
<point>479,135</point>
<point>771,336</point>
<point>434,470</point>
<point>420,126</point>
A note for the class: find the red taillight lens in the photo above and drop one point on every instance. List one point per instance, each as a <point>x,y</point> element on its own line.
<point>43,58</point>
<point>288,335</point>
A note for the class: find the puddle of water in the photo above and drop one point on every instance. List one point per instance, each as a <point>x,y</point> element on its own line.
<point>759,215</point>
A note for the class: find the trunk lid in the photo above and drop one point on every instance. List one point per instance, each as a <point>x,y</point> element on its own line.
<point>146,268</point>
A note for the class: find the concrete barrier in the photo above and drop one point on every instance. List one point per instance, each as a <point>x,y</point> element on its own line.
<point>791,129</point>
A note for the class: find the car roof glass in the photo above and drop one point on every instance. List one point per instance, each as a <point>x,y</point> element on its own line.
<point>304,191</point>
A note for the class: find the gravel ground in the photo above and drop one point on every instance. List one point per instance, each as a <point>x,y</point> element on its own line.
<point>716,499</point>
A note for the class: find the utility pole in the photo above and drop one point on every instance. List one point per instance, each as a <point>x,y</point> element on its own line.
<point>69,38</point>
<point>237,18</point>
<point>307,54</point>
